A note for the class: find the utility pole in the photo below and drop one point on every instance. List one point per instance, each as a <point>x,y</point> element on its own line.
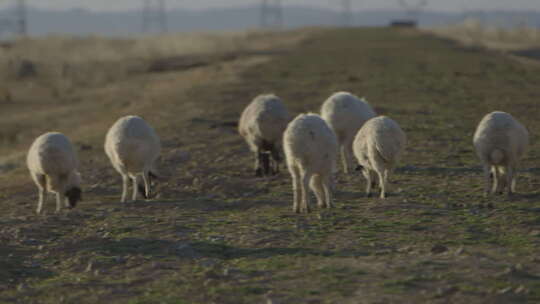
<point>22,25</point>
<point>154,16</point>
<point>271,14</point>
<point>16,22</point>
<point>346,13</point>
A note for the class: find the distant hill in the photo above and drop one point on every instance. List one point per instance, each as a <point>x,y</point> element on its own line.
<point>82,22</point>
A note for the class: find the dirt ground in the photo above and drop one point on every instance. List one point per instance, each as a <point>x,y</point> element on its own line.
<point>217,234</point>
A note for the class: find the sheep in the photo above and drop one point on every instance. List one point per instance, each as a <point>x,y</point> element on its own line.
<point>133,148</point>
<point>261,125</point>
<point>53,165</point>
<point>378,147</point>
<point>311,151</point>
<point>346,114</point>
<point>500,141</point>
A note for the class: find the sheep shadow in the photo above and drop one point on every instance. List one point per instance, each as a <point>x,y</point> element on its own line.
<point>193,250</point>
<point>454,170</point>
<point>226,252</point>
<point>439,170</point>
<point>207,204</point>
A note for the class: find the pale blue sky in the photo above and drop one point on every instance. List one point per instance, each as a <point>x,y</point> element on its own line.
<point>446,5</point>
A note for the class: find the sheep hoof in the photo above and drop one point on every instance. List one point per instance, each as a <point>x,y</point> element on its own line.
<point>368,195</point>
<point>258,172</point>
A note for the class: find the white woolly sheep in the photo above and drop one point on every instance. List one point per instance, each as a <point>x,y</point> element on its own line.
<point>378,147</point>
<point>311,151</point>
<point>133,149</point>
<point>262,124</point>
<point>53,165</point>
<point>500,141</point>
<point>346,114</point>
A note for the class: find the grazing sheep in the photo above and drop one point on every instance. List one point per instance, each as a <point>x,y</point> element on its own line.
<point>311,151</point>
<point>378,147</point>
<point>133,148</point>
<point>500,141</point>
<point>346,114</point>
<point>262,124</point>
<point>53,165</point>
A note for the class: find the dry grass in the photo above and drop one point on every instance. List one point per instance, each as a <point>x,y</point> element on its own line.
<point>65,63</point>
<point>472,32</point>
<point>80,85</point>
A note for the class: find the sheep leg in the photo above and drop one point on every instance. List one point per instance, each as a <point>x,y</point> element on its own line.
<point>258,161</point>
<point>41,182</point>
<point>306,177</point>
<point>146,179</point>
<point>509,180</point>
<point>349,155</point>
<point>135,189</point>
<point>59,201</point>
<point>513,185</point>
<point>383,181</point>
<point>125,185</point>
<point>42,196</point>
<point>296,187</point>
<point>344,159</point>
<point>265,163</point>
<point>328,191</point>
<point>277,158</point>
<point>317,187</point>
<point>496,176</point>
<point>369,184</point>
<point>488,176</point>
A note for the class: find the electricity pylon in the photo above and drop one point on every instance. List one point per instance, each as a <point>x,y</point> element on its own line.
<point>271,14</point>
<point>154,16</point>
<point>16,23</point>
<point>346,13</point>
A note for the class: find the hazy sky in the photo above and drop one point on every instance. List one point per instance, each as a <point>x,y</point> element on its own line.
<point>452,5</point>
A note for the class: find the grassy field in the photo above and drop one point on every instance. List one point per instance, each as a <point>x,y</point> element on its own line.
<point>216,234</point>
<point>473,32</point>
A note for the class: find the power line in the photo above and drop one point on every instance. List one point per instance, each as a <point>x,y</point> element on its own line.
<point>154,16</point>
<point>271,14</point>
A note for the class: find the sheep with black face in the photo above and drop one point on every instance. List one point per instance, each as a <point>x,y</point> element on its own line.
<point>53,165</point>
<point>262,124</point>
